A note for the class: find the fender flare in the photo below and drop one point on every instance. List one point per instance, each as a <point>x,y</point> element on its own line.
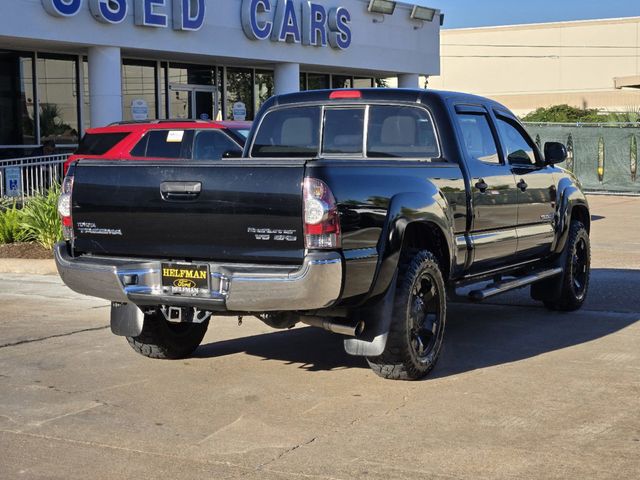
<point>569,196</point>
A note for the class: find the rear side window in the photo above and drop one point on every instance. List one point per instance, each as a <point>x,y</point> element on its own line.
<point>289,132</point>
<point>343,131</point>
<point>211,145</point>
<point>164,144</point>
<point>99,143</point>
<point>399,131</point>
<point>477,137</point>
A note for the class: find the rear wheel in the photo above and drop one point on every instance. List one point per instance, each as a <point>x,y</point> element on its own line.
<point>419,316</point>
<point>568,291</point>
<point>167,340</point>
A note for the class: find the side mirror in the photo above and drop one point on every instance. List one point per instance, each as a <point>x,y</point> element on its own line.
<point>232,154</point>
<point>554,152</point>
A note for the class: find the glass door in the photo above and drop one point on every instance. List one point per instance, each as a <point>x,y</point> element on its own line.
<point>195,102</point>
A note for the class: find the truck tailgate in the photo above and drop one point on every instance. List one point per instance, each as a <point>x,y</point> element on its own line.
<point>231,211</point>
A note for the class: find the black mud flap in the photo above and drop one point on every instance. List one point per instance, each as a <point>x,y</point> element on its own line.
<point>127,319</point>
<point>377,318</point>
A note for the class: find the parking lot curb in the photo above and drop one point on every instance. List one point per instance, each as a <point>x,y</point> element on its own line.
<point>28,266</point>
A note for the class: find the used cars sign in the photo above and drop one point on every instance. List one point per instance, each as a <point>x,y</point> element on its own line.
<point>187,14</point>
<point>301,22</point>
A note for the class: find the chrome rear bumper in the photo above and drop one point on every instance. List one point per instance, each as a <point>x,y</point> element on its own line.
<point>234,287</point>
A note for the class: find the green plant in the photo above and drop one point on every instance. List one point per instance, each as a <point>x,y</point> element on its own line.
<point>10,229</point>
<point>565,114</point>
<point>40,221</point>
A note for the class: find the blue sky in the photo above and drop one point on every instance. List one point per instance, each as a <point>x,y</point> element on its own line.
<point>480,13</point>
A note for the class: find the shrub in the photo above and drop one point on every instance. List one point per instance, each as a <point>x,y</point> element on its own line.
<point>10,229</point>
<point>39,219</point>
<point>565,114</point>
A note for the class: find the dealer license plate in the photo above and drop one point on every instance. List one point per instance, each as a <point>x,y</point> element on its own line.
<point>185,279</point>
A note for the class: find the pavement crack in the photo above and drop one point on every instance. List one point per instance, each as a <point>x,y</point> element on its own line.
<point>58,335</point>
<point>286,452</point>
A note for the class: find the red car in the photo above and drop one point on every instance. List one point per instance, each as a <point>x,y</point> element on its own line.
<point>163,139</point>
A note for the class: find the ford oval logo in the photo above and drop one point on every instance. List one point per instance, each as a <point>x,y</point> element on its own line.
<point>184,283</point>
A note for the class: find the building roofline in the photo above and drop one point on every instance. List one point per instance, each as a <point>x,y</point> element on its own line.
<point>542,25</point>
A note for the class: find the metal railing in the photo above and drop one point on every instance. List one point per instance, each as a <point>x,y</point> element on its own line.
<point>21,178</point>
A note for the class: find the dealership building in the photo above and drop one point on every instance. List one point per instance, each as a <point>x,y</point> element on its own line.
<point>67,65</point>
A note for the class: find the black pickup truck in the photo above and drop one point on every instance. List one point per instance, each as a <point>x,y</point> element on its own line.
<point>357,211</point>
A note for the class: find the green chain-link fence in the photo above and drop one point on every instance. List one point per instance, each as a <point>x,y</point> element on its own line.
<point>604,158</point>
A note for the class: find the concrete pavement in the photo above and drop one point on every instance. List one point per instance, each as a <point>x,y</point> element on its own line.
<point>518,393</point>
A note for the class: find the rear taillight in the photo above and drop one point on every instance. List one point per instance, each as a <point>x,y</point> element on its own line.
<point>321,219</point>
<point>64,207</point>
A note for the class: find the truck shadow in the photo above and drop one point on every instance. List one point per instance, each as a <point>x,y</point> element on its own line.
<point>512,328</point>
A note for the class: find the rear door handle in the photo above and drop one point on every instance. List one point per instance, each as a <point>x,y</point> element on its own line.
<point>176,191</point>
<point>481,185</point>
<point>522,185</point>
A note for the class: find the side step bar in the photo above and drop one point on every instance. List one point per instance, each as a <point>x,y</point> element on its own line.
<point>501,287</point>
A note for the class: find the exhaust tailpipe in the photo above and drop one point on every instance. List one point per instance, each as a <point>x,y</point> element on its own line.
<point>348,329</point>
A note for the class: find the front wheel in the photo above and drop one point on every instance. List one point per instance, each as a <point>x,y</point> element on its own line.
<point>571,287</point>
<point>417,327</point>
<point>167,340</point>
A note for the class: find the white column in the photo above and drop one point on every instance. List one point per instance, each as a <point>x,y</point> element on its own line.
<point>287,78</point>
<point>105,85</point>
<point>409,80</point>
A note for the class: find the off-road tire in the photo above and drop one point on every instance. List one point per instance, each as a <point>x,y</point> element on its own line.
<point>569,293</point>
<point>401,359</point>
<point>165,340</point>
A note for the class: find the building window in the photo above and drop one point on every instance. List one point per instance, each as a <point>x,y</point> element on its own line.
<point>264,87</point>
<point>363,82</point>
<point>303,82</point>
<point>58,98</point>
<point>17,100</point>
<point>139,90</point>
<point>341,81</point>
<point>86,97</point>
<point>317,81</point>
<point>239,89</point>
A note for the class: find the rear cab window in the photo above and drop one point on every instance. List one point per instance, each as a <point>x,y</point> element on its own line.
<point>100,143</point>
<point>392,131</point>
<point>288,132</point>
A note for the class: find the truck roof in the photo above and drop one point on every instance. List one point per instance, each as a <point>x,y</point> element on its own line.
<point>379,94</point>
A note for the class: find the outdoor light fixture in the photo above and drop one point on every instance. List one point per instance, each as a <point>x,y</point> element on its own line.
<point>423,13</point>
<point>386,7</point>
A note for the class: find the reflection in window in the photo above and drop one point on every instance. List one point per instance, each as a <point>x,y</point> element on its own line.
<point>187,74</point>
<point>341,81</point>
<point>17,126</point>
<point>478,138</point>
<point>138,90</point>
<point>288,132</point>
<point>86,97</point>
<point>343,130</point>
<point>519,149</point>
<point>264,87</point>
<point>317,81</point>
<point>58,98</point>
<point>212,145</point>
<point>239,89</point>
<point>162,108</point>
<point>363,82</point>
<point>401,132</point>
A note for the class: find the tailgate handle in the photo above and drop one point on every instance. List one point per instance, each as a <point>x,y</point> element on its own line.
<point>180,190</point>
